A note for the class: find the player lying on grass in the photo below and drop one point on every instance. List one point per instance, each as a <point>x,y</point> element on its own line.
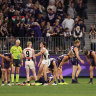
<point>91,55</point>
<point>44,62</point>
<point>6,63</point>
<point>61,60</point>
<point>41,80</point>
<point>30,61</point>
<point>75,61</point>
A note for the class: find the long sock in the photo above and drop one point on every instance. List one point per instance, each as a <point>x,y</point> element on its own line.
<point>55,82</point>
<point>8,82</point>
<point>73,80</point>
<point>17,78</point>
<point>58,80</point>
<point>76,78</point>
<point>28,81</point>
<point>62,80</point>
<point>12,78</point>
<point>2,82</point>
<point>91,79</point>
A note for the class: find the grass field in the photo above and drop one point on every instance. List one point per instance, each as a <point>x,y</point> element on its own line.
<point>81,89</point>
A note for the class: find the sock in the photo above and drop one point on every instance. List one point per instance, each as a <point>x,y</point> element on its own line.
<point>55,82</point>
<point>62,81</point>
<point>12,78</point>
<point>17,78</point>
<point>76,78</point>
<point>36,81</point>
<point>91,79</point>
<point>28,81</point>
<point>58,80</point>
<point>8,82</point>
<point>2,82</point>
<point>73,80</point>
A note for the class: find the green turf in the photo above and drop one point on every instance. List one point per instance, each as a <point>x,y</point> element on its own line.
<point>82,89</point>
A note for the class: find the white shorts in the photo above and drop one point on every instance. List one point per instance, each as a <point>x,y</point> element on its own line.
<point>46,62</point>
<point>29,64</point>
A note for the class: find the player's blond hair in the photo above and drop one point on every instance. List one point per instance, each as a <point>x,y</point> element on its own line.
<point>71,53</point>
<point>28,43</point>
<point>77,41</point>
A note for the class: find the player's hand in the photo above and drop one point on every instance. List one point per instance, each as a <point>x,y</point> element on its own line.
<point>9,69</point>
<point>35,63</point>
<point>21,64</point>
<point>82,61</point>
<point>39,65</point>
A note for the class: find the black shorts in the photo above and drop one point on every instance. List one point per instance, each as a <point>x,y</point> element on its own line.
<point>16,62</point>
<point>93,63</point>
<point>75,61</point>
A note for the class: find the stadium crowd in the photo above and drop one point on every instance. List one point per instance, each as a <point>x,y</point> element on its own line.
<point>43,18</point>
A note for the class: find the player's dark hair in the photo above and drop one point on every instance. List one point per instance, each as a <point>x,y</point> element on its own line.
<point>86,52</point>
<point>44,43</point>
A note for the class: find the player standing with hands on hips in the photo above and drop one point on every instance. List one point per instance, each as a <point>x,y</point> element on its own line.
<point>16,51</point>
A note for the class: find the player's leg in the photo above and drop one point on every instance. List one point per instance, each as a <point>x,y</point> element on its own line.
<point>27,74</point>
<point>40,71</point>
<point>78,72</point>
<point>17,74</point>
<point>34,73</point>
<point>12,74</point>
<point>8,76</point>
<point>54,78</point>
<point>60,74</point>
<point>3,77</point>
<point>45,68</point>
<point>91,73</point>
<point>73,73</point>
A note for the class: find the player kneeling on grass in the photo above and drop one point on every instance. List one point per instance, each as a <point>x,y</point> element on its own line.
<point>6,68</point>
<point>91,55</point>
<point>29,55</point>
<point>61,61</point>
<point>75,61</point>
<point>44,62</point>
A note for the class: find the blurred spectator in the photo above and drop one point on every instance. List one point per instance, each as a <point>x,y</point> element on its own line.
<point>60,9</point>
<point>81,9</point>
<point>92,36</point>
<point>77,34</point>
<point>67,38</point>
<point>72,11</point>
<point>51,17</point>
<point>52,7</point>
<point>41,8</point>
<point>68,23</point>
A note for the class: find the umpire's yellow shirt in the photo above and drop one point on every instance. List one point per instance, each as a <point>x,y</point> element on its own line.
<point>16,52</point>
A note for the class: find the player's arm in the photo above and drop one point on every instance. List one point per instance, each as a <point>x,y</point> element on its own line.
<point>2,56</point>
<point>94,56</point>
<point>11,61</point>
<point>40,53</point>
<point>34,56</point>
<point>22,55</point>
<point>2,62</point>
<point>88,60</point>
<point>77,55</point>
<point>63,61</point>
<point>55,67</point>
